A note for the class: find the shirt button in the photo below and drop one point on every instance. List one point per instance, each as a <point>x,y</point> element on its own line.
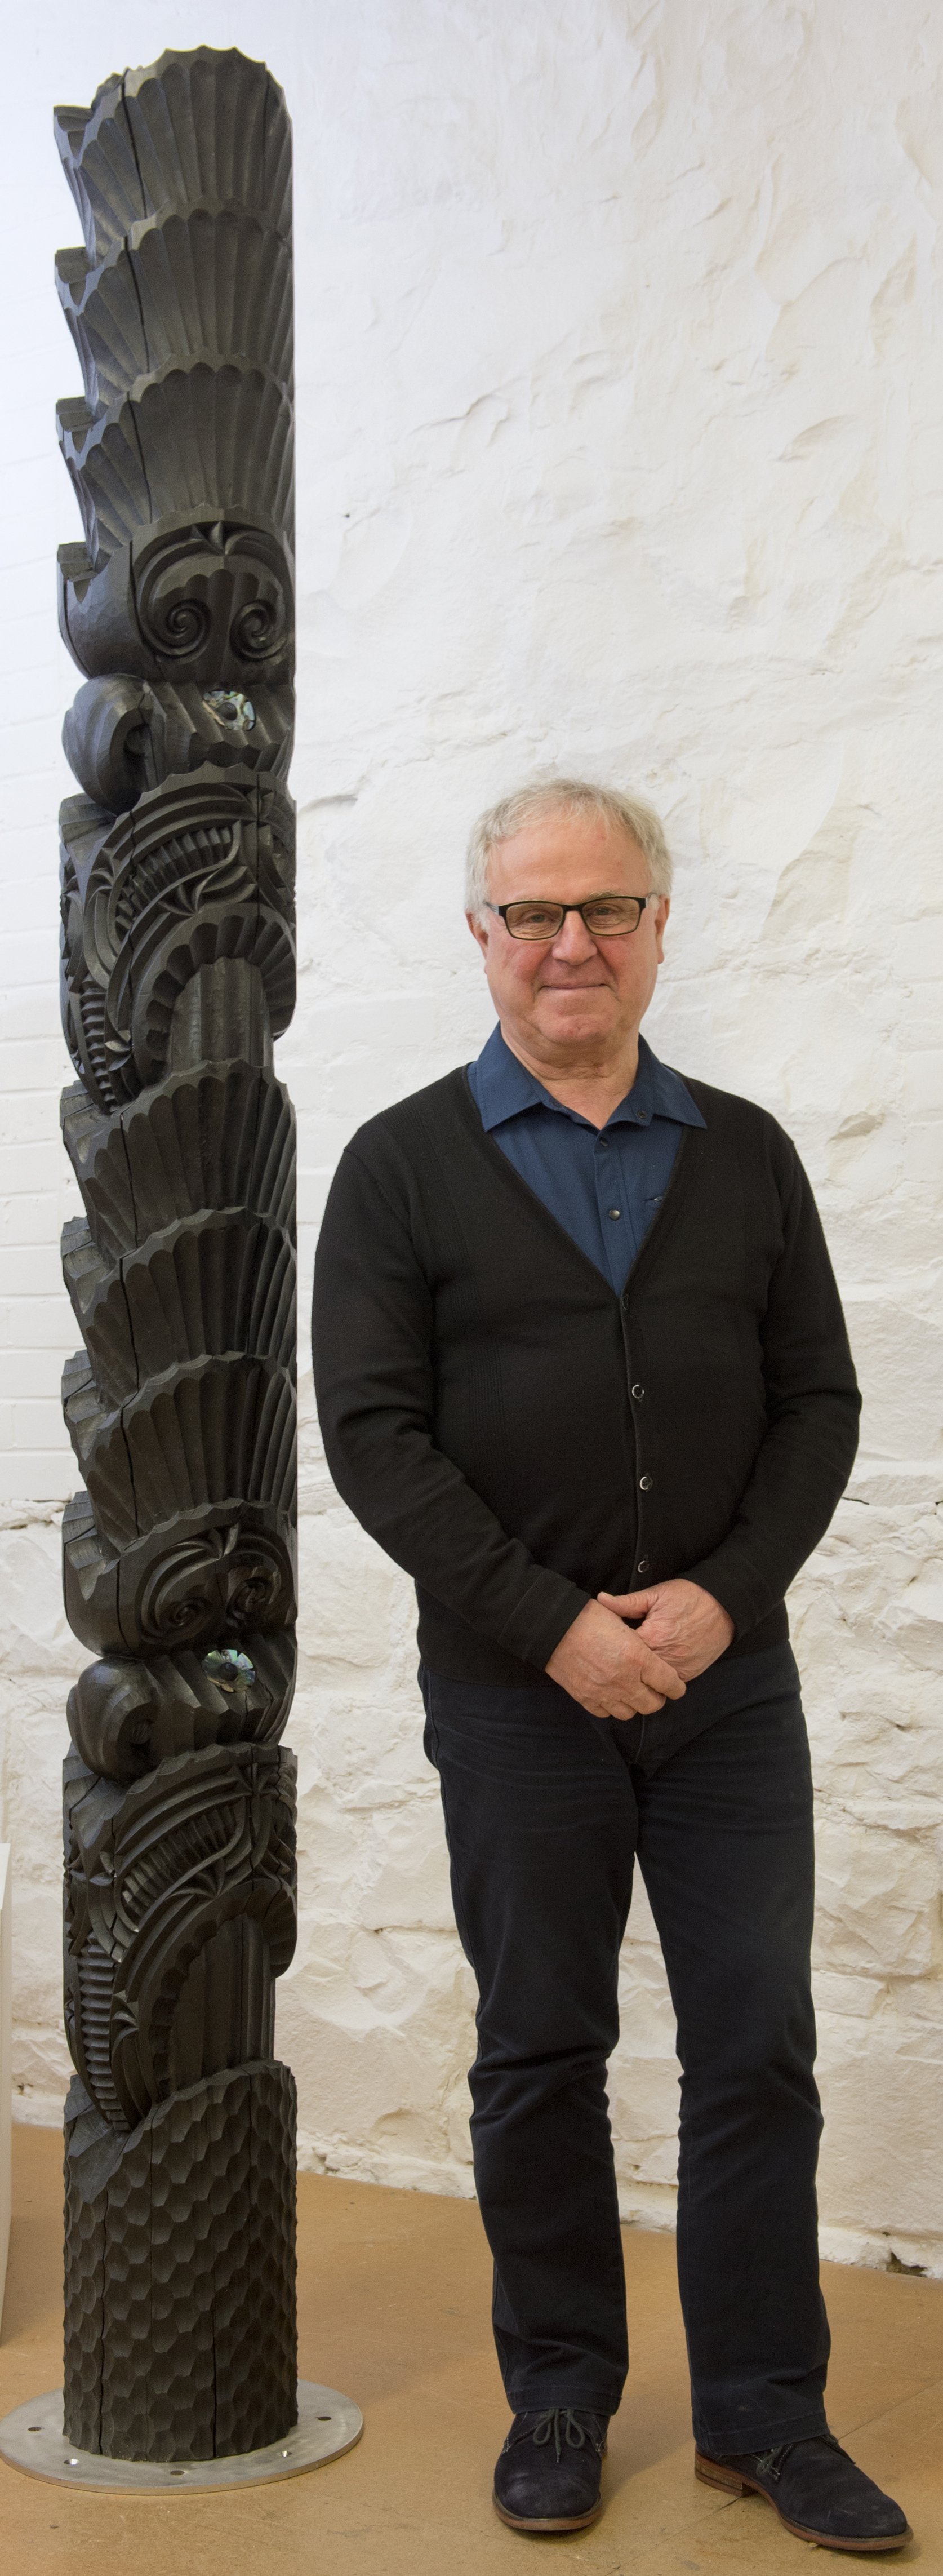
<point>646,1483</point>
<point>613,1211</point>
<point>638,1392</point>
<point>643,1565</point>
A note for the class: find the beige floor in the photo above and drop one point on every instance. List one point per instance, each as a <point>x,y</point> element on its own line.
<point>394,2309</point>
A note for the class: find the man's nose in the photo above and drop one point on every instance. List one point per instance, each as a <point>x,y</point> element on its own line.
<point>573,942</point>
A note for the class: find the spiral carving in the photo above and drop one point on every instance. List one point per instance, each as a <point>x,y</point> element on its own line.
<point>215,598</point>
<point>177,974</point>
<point>176,626</point>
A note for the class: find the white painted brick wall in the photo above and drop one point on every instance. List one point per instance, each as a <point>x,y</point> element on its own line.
<point>619,402</point>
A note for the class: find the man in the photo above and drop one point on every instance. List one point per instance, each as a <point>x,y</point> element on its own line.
<point>582,1369</point>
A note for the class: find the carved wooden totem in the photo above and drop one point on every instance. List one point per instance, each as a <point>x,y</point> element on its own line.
<point>178,971</point>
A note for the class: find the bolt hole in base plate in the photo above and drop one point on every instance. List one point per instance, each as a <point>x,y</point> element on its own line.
<point>32,2439</point>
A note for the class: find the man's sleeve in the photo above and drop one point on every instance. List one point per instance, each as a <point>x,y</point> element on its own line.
<point>372,1336</point>
<point>812,1405</point>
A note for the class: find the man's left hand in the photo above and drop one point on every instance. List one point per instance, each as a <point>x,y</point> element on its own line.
<point>679,1621</point>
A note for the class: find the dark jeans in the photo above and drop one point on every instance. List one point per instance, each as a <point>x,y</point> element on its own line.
<point>545,1811</point>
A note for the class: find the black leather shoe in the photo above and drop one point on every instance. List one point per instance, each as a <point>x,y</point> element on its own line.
<point>817,2491</point>
<point>547,2477</point>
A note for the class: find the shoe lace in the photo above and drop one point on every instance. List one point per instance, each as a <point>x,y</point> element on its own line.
<point>547,2428</point>
<point>770,2464</point>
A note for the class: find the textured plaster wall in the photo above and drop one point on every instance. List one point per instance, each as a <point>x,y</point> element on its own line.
<point>619,446</point>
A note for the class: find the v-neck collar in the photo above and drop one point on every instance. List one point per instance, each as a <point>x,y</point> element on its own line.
<point>665,1215</point>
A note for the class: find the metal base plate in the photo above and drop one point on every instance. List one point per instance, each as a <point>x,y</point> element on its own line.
<point>32,2438</point>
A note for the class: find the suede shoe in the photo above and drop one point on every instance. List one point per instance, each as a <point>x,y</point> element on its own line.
<point>547,2477</point>
<point>818,2493</point>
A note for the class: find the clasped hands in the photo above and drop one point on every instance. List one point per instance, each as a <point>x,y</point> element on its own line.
<point>615,1670</point>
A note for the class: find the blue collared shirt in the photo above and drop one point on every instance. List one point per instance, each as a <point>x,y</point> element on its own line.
<point>603,1185</point>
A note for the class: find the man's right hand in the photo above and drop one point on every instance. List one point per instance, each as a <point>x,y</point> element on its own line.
<point>605,1666</point>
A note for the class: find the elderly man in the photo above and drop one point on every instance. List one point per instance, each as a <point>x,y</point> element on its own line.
<point>582,1370</point>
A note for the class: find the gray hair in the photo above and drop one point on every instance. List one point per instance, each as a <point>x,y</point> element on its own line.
<point>567,795</point>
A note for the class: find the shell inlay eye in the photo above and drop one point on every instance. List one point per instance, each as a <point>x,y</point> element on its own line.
<point>227,1666</point>
<point>231,707</point>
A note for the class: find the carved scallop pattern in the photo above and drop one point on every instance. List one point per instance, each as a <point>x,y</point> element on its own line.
<point>189,127</point>
<point>200,1435</point>
<point>217,1136</point>
<point>192,438</point>
<point>213,282</point>
<point>221,1281</point>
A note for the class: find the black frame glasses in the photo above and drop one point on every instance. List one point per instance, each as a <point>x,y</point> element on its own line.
<point>591,904</point>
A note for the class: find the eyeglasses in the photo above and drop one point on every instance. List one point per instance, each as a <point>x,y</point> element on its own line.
<point>606,916</point>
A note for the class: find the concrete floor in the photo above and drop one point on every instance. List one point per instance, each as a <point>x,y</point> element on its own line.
<point>394,2309</point>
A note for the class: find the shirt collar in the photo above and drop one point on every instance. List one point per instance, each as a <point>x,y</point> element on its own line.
<point>504,1089</point>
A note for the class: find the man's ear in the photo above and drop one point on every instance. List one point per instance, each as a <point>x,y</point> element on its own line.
<point>662,909</point>
<point>479,931</point>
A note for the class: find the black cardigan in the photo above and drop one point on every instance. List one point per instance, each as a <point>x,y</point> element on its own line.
<point>520,1438</point>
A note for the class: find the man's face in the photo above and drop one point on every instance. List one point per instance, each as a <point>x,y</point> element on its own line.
<point>574,992</point>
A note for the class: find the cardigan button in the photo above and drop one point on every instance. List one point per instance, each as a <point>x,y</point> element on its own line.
<point>638,1392</point>
<point>643,1565</point>
<point>646,1483</point>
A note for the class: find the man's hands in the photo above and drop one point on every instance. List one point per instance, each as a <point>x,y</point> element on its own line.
<point>616,1671</point>
<point>679,1623</point>
<point>613,1670</point>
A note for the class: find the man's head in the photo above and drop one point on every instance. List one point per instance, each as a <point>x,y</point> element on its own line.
<point>576,993</point>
